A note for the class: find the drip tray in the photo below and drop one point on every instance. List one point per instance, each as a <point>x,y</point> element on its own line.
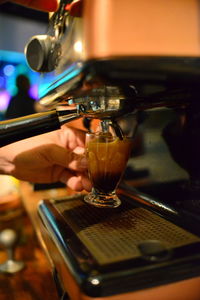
<point>111,251</point>
<point>113,235</point>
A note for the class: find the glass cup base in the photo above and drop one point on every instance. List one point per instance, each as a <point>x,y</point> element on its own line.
<point>102,200</point>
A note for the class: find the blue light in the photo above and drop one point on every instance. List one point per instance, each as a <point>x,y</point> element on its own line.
<point>13,64</point>
<point>2,81</point>
<point>8,70</point>
<point>60,79</point>
<point>11,55</point>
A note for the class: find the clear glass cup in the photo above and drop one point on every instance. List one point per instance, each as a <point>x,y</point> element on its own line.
<point>107,159</point>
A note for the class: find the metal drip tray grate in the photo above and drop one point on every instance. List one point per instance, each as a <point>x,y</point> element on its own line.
<point>115,235</point>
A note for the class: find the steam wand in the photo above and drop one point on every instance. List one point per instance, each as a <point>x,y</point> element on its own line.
<point>21,128</point>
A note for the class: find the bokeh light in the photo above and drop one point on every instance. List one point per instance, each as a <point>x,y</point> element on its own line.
<point>13,64</point>
<point>8,70</point>
<point>4,100</point>
<point>33,92</point>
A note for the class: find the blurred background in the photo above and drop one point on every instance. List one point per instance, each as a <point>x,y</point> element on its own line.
<point>17,25</point>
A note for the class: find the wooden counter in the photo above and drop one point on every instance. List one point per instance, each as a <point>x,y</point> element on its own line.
<point>35,281</point>
<point>31,198</point>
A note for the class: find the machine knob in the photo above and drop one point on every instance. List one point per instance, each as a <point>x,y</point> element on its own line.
<point>42,53</point>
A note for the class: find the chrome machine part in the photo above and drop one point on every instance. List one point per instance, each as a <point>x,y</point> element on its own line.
<point>108,102</point>
<point>43,52</point>
<point>62,52</point>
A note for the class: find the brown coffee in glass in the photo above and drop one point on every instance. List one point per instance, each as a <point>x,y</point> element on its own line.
<point>107,158</point>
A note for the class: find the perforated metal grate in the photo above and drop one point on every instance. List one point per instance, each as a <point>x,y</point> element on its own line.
<point>113,235</point>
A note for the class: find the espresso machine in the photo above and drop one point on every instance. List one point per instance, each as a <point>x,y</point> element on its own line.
<point>113,61</point>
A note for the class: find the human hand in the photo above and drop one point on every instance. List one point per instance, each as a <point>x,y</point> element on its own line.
<point>48,158</point>
<point>44,5</point>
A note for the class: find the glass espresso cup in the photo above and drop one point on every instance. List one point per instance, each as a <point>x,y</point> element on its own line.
<point>107,158</point>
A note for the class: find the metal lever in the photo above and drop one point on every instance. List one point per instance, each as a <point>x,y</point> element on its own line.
<point>20,128</point>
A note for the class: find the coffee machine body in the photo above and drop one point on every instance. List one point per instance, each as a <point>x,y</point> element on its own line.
<point>94,43</point>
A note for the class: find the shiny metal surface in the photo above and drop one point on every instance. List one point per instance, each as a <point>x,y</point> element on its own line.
<point>107,102</point>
